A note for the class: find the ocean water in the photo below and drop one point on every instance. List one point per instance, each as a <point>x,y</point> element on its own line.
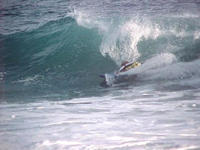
<point>52,53</point>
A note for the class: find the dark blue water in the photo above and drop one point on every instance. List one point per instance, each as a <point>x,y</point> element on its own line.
<point>51,56</point>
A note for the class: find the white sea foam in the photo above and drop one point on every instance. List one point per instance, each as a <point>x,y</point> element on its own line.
<point>121,43</point>
<point>155,62</point>
<point>197,35</point>
<point>2,75</point>
<point>126,119</point>
<point>120,39</point>
<point>28,80</point>
<point>185,15</point>
<point>88,21</point>
<point>176,71</point>
<point>166,67</point>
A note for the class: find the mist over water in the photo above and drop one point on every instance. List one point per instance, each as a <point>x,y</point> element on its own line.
<point>51,56</point>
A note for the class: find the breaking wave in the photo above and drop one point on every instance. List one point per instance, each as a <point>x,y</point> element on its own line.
<point>71,52</point>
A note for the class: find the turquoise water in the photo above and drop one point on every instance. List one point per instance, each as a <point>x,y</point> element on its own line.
<point>51,56</point>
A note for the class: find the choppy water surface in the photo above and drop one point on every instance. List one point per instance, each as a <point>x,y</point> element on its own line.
<point>125,119</point>
<point>51,56</point>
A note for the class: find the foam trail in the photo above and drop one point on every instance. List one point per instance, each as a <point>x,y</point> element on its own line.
<point>156,62</point>
<point>166,67</point>
<point>178,71</point>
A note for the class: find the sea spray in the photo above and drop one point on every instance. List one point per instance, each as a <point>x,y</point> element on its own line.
<point>121,43</point>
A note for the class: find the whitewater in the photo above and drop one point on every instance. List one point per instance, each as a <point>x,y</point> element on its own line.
<point>52,53</point>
